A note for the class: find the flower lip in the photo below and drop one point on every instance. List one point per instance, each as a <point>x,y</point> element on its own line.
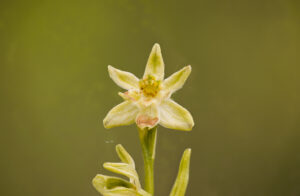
<point>145,121</point>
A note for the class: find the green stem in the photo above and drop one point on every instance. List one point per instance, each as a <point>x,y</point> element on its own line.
<point>148,142</point>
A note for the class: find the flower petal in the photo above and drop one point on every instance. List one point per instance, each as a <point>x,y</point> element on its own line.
<point>148,117</point>
<point>124,169</point>
<point>131,95</point>
<point>124,79</point>
<point>124,155</point>
<point>155,65</point>
<point>113,186</point>
<point>174,116</point>
<point>122,114</point>
<point>176,80</point>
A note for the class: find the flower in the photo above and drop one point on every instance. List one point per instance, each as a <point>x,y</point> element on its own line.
<point>147,101</point>
<point>115,186</point>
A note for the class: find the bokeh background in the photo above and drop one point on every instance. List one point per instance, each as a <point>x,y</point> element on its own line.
<point>244,93</point>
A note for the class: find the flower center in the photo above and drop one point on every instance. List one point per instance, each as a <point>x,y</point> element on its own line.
<point>150,86</point>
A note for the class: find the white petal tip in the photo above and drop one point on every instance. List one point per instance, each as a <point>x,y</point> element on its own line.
<point>105,124</point>
<point>187,153</point>
<point>99,179</point>
<point>188,69</point>
<point>188,127</point>
<point>156,48</point>
<point>109,67</point>
<point>119,147</point>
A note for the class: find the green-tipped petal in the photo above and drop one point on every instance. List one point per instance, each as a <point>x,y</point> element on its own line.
<point>113,186</point>
<point>174,116</point>
<point>182,179</point>
<point>155,65</point>
<point>124,169</point>
<point>120,168</point>
<point>124,79</point>
<point>177,80</point>
<point>122,114</point>
<point>124,155</point>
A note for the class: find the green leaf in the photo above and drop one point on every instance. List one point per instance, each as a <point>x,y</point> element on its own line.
<point>182,179</point>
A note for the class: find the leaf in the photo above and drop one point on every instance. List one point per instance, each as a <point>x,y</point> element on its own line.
<point>182,179</point>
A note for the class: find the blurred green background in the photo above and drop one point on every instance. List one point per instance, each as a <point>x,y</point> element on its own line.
<point>244,93</point>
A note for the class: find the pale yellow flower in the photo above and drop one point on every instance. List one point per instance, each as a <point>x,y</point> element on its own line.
<point>115,186</point>
<point>147,101</point>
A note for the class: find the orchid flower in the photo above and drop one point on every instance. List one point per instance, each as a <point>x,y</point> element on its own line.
<point>115,186</point>
<point>147,101</point>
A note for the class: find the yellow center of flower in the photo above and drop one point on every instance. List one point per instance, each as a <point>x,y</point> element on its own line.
<point>150,86</point>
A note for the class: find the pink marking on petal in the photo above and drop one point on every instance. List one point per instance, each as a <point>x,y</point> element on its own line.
<point>146,121</point>
<point>127,95</point>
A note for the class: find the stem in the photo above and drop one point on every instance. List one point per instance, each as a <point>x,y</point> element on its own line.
<point>148,142</point>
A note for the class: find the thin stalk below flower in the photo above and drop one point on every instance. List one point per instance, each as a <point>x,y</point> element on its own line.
<point>148,142</point>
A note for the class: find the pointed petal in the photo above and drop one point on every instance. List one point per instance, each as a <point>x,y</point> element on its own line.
<point>132,95</point>
<point>148,117</point>
<point>124,169</point>
<point>124,155</point>
<point>174,116</point>
<point>177,80</point>
<point>124,79</point>
<point>126,158</point>
<point>113,186</point>
<point>122,114</point>
<point>120,168</point>
<point>182,179</point>
<point>121,191</point>
<point>155,65</point>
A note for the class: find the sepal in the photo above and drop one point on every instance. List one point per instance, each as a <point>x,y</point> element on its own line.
<point>115,186</point>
